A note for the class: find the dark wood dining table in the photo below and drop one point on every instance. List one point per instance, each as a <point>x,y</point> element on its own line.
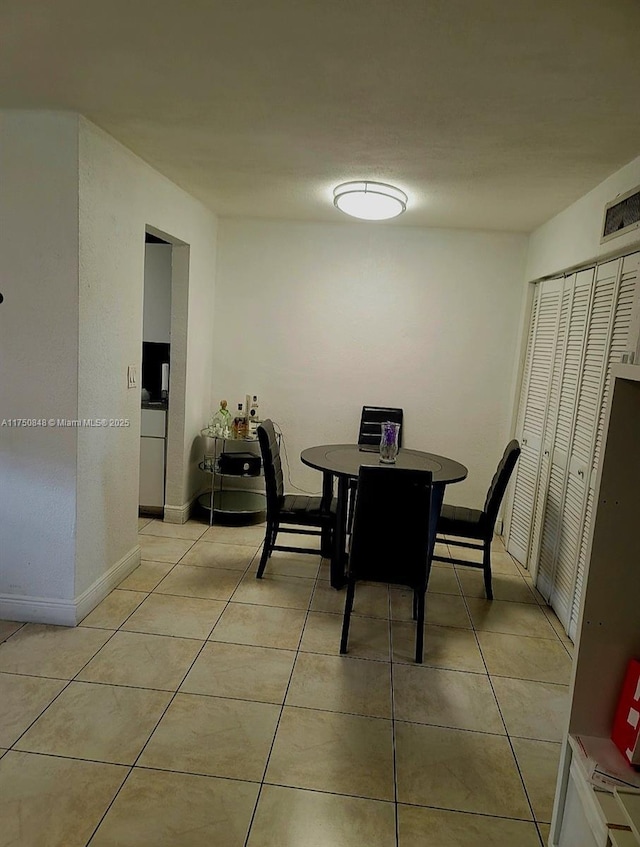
<point>343,461</point>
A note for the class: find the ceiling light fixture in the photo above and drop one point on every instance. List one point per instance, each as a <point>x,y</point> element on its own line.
<point>371,201</point>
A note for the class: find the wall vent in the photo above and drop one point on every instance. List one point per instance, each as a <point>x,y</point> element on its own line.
<point>621,215</point>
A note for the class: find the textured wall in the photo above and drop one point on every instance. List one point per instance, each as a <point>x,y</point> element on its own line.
<point>320,319</point>
<point>38,352</point>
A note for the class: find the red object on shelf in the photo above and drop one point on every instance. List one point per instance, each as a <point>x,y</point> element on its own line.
<point>626,724</point>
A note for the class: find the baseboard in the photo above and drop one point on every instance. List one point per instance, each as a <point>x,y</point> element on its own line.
<point>49,610</point>
<point>90,598</point>
<point>37,610</point>
<point>179,514</point>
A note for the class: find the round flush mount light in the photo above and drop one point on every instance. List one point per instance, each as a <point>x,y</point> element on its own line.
<point>371,201</point>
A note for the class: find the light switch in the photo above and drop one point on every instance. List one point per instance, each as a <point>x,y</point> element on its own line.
<point>132,376</point>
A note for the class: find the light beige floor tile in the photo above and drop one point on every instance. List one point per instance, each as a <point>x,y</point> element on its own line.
<point>237,670</point>
<point>505,586</point>
<point>440,609</point>
<point>143,661</point>
<point>104,723</point>
<point>143,522</point>
<point>55,651</point>
<point>7,629</point>
<point>501,561</point>
<point>523,657</point>
<point>545,832</point>
<point>50,802</point>
<point>441,549</point>
<point>458,829</point>
<point>214,554</point>
<point>158,809</point>
<point>341,684</point>
<point>146,576</point>
<point>157,549</point>
<point>191,531</point>
<point>251,536</point>
<point>443,581</point>
<point>539,597</point>
<point>282,563</point>
<point>291,817</point>
<point>22,699</point>
<point>213,735</point>
<point>444,647</point>
<point>330,751</point>
<point>187,617</point>
<point>2,752</point>
<point>206,583</point>
<point>512,618</point>
<point>370,600</point>
<point>533,709</point>
<point>466,772</point>
<point>113,611</point>
<point>558,628</point>
<point>538,762</point>
<point>273,590</point>
<point>261,626</point>
<point>446,698</point>
<point>368,637</point>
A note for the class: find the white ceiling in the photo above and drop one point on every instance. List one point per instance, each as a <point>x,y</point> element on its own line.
<point>491,114</point>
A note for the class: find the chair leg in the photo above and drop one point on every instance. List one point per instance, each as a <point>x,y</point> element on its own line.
<point>415,606</point>
<point>486,563</point>
<point>267,547</point>
<point>420,627</point>
<point>348,605</point>
<point>326,542</point>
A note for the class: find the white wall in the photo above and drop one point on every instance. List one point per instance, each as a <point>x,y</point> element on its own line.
<point>73,210</point>
<point>320,319</point>
<point>38,354</point>
<point>119,196</point>
<point>573,237</point>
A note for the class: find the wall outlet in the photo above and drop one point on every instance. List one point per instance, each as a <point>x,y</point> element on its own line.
<point>132,376</point>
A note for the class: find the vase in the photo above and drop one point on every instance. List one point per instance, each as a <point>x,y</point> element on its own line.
<point>389,442</point>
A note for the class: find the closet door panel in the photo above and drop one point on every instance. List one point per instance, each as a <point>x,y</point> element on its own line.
<point>622,340</point>
<point>569,367</point>
<point>583,437</point>
<point>533,412</point>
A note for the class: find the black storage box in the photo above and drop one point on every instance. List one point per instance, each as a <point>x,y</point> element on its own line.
<point>240,464</point>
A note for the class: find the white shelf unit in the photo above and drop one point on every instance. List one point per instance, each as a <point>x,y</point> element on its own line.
<point>608,627</point>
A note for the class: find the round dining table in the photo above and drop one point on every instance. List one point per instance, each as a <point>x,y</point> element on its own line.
<point>343,462</point>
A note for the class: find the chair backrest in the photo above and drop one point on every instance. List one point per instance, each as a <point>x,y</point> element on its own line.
<point>499,483</point>
<point>371,421</point>
<point>391,532</point>
<point>273,478</point>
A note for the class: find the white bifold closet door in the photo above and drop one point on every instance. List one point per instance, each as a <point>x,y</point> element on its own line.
<point>534,399</point>
<point>596,324</point>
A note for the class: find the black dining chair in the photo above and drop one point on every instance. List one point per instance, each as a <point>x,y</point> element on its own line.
<point>475,524</point>
<point>292,510</point>
<point>371,420</point>
<point>390,538</point>
<point>369,435</point>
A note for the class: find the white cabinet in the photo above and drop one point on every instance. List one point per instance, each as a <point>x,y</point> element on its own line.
<point>608,624</point>
<point>152,459</point>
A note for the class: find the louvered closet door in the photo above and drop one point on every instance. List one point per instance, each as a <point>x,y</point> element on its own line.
<point>622,340</point>
<point>567,370</point>
<point>539,359</point>
<point>582,443</point>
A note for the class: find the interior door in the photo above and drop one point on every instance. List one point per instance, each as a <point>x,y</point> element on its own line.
<point>622,341</point>
<point>589,399</point>
<point>567,370</point>
<point>536,384</point>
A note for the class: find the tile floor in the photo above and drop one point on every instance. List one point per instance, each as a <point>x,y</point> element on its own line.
<point>197,706</point>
